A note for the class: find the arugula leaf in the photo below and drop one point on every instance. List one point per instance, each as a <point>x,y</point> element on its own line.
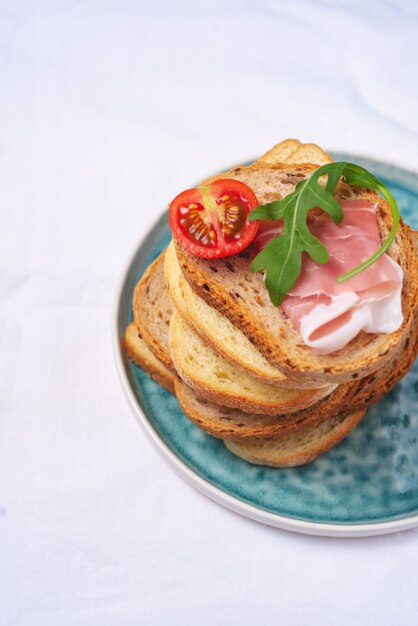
<point>282,257</point>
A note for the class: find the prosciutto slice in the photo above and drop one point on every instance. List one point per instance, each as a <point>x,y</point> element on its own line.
<point>329,314</point>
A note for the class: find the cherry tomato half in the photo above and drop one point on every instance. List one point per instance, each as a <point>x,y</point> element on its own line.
<point>211,221</point>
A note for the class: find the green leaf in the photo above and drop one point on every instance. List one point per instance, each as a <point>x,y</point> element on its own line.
<point>281,259</point>
<point>272,210</point>
<point>280,277</point>
<point>328,203</point>
<point>334,174</point>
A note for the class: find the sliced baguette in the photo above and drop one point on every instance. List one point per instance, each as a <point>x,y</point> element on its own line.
<point>229,286</point>
<point>227,423</point>
<point>177,285</point>
<point>218,331</point>
<point>217,380</point>
<point>138,351</point>
<point>309,153</point>
<point>153,308</point>
<point>293,151</point>
<point>300,448</point>
<point>281,151</point>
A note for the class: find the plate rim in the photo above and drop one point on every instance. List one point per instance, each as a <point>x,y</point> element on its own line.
<point>216,494</point>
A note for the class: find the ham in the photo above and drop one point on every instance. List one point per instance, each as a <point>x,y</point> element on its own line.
<point>329,314</point>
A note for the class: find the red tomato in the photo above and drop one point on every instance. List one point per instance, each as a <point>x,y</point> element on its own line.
<point>211,222</point>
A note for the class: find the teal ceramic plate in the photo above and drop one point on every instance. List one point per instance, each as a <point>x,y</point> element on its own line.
<point>366,485</point>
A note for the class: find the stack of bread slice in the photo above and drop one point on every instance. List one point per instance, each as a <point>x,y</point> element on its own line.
<point>207,331</point>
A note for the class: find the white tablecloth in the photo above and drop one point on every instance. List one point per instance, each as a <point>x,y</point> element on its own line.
<point>107,110</point>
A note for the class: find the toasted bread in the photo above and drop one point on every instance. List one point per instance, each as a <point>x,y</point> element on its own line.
<point>281,151</point>
<point>138,351</point>
<point>229,286</point>
<point>219,381</point>
<point>293,151</point>
<point>300,448</point>
<point>153,308</point>
<point>224,422</point>
<point>218,331</point>
<point>228,423</point>
<point>309,153</point>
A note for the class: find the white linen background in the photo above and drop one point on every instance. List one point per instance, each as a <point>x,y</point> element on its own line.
<point>107,110</point>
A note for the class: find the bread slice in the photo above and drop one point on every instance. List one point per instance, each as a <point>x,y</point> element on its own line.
<point>293,151</point>
<point>229,286</point>
<point>414,235</point>
<point>300,448</point>
<point>177,285</point>
<point>224,422</point>
<point>309,153</point>
<point>281,151</point>
<point>216,329</point>
<point>219,381</point>
<point>138,351</point>
<point>153,308</point>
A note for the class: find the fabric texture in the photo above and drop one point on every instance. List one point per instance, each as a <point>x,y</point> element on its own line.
<point>107,111</point>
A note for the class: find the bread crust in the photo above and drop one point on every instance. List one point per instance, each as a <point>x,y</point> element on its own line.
<point>152,308</point>
<point>228,423</point>
<point>138,351</point>
<point>280,152</point>
<point>297,450</point>
<point>309,153</point>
